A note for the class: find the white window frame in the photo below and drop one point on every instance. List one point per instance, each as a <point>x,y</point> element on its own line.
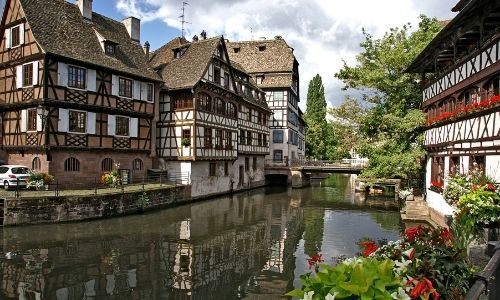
<point>20,75</point>
<point>8,36</point>
<point>86,77</point>
<point>86,121</point>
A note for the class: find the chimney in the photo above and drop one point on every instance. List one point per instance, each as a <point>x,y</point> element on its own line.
<point>203,35</point>
<point>146,49</point>
<point>195,38</point>
<point>85,7</point>
<point>133,26</point>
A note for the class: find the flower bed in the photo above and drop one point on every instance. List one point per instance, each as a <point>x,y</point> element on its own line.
<point>464,109</point>
<point>423,264</point>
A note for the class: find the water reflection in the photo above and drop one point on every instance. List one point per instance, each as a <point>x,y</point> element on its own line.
<point>251,245</point>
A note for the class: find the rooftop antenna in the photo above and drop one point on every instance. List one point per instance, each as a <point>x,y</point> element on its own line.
<point>251,33</point>
<point>182,17</point>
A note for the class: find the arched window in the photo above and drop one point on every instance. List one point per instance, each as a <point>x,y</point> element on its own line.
<point>107,164</point>
<point>204,102</point>
<point>231,110</point>
<point>492,86</point>
<point>137,164</point>
<point>470,96</point>
<point>72,165</point>
<point>220,106</point>
<point>36,164</point>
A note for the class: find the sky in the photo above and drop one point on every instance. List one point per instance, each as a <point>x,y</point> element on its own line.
<point>322,32</point>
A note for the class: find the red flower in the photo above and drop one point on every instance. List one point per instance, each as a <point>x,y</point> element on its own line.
<point>490,187</point>
<point>313,260</point>
<point>438,184</point>
<point>369,247</point>
<point>423,288</point>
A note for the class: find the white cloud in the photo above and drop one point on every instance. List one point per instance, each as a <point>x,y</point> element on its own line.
<point>322,32</point>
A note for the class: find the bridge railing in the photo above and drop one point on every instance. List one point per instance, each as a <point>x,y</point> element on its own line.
<point>354,163</point>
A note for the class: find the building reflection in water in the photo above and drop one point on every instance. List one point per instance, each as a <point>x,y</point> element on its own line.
<point>227,248</point>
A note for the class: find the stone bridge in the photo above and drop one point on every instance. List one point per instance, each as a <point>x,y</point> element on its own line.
<point>298,171</point>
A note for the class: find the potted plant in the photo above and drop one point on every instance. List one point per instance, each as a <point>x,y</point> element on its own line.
<point>186,142</point>
<point>39,180</point>
<point>111,179</point>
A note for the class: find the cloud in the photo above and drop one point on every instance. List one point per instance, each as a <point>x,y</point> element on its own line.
<point>322,32</point>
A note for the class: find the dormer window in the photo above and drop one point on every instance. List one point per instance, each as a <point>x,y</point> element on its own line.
<point>259,79</point>
<point>236,50</point>
<point>109,48</point>
<point>262,48</point>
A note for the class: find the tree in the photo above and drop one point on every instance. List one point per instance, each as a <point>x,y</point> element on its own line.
<point>389,129</point>
<point>319,138</point>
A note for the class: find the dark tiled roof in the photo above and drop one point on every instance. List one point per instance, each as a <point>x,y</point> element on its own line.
<point>164,54</point>
<point>276,57</point>
<point>60,29</point>
<point>186,71</point>
<point>263,104</point>
<point>277,81</point>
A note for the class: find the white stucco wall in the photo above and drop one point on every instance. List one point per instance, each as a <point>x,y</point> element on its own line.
<point>493,167</point>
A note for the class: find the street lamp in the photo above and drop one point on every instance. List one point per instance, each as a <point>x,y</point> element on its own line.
<point>42,113</point>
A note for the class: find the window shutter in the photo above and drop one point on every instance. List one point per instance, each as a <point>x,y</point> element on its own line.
<point>24,120</point>
<point>91,80</point>
<point>62,70</point>
<point>19,76</point>
<point>21,33</point>
<point>134,127</point>
<point>114,85</point>
<point>137,90</point>
<point>39,122</point>
<point>111,125</point>
<point>63,120</point>
<point>91,123</point>
<point>35,73</point>
<point>7,38</point>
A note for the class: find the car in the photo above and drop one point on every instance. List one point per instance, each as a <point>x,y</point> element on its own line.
<point>13,175</point>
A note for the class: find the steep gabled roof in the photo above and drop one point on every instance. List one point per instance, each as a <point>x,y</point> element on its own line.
<point>262,56</point>
<point>60,29</point>
<point>186,71</point>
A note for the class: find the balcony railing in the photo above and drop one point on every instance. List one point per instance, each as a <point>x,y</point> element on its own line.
<point>488,280</point>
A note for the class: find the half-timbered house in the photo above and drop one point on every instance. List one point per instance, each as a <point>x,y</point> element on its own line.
<point>273,66</point>
<point>76,91</point>
<point>200,105</point>
<point>461,76</point>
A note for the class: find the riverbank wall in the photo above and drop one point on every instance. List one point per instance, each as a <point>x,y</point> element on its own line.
<point>52,209</point>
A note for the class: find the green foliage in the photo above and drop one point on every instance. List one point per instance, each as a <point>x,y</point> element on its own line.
<point>480,207</point>
<point>362,278</point>
<point>38,180</point>
<point>320,140</point>
<point>459,184</point>
<point>186,142</point>
<point>143,200</point>
<point>313,231</point>
<point>387,127</point>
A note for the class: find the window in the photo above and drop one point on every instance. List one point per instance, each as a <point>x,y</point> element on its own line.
<point>109,48</point>
<point>32,118</point>
<point>229,140</point>
<point>125,87</point>
<point>122,126</point>
<point>211,169</point>
<point>437,169</point>
<point>186,133</point>
<point>77,77</point>
<point>477,163</point>
<point>236,50</point>
<point>231,110</point>
<point>204,102</point>
<point>264,140</point>
<point>226,80</point>
<point>262,48</point>
<point>278,96</point>
<point>208,137</point>
<point>278,155</point>
<point>226,168</point>
<point>15,36</point>
<point>218,138</point>
<point>259,139</point>
<point>77,121</point>
<point>182,101</point>
<point>137,164</point>
<point>149,92</point>
<point>217,76</point>
<point>249,114</point>
<point>247,164</point>
<point>72,165</point>
<point>107,164</point>
<point>242,136</point>
<point>454,165</point>
<point>36,164</point>
<point>249,138</point>
<point>259,79</point>
<point>27,74</point>
<point>254,164</point>
<point>220,106</point>
<point>278,136</point>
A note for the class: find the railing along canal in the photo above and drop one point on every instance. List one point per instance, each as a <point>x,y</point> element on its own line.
<point>488,280</point>
<point>354,163</point>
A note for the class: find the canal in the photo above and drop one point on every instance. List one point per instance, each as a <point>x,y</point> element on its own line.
<point>252,245</point>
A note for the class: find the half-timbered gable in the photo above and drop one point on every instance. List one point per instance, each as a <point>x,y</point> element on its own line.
<point>272,65</point>
<point>75,85</point>
<point>460,72</point>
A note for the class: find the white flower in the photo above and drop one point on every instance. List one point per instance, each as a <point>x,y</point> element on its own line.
<point>400,295</point>
<point>330,297</point>
<point>308,295</point>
